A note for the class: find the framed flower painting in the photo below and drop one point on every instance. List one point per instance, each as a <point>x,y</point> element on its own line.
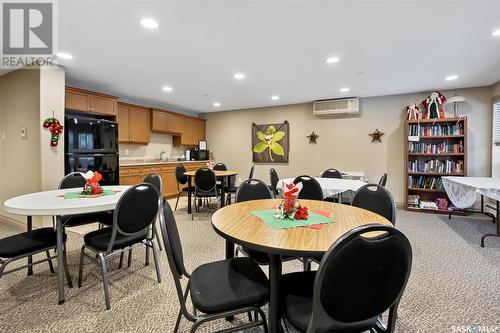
<point>270,143</point>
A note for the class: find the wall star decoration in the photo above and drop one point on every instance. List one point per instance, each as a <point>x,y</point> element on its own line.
<point>376,136</point>
<point>313,137</point>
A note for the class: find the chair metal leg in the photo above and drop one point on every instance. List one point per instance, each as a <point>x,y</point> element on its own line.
<point>129,263</point>
<point>51,267</point>
<point>120,265</point>
<point>177,201</point>
<point>178,321</point>
<point>105,281</point>
<point>157,235</point>
<point>80,268</point>
<point>66,269</point>
<point>263,317</point>
<point>155,259</point>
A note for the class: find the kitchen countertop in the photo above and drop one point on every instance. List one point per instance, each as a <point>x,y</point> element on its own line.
<point>157,162</point>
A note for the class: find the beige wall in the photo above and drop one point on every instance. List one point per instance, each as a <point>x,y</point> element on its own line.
<point>344,142</point>
<point>158,143</point>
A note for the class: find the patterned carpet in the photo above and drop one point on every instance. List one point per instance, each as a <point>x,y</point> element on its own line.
<point>454,283</point>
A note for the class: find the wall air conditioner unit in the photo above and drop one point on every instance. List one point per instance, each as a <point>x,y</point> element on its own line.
<point>336,107</point>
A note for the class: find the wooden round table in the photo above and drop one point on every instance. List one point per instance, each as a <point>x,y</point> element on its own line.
<point>223,174</point>
<point>238,225</point>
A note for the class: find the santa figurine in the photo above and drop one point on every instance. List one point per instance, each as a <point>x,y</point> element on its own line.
<point>412,112</point>
<point>434,105</point>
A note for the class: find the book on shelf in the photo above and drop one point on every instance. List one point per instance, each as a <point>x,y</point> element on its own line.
<point>428,205</point>
<point>413,201</point>
<point>436,166</point>
<point>425,182</point>
<point>436,130</point>
<point>435,148</point>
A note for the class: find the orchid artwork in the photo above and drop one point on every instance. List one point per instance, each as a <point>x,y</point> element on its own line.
<point>270,143</point>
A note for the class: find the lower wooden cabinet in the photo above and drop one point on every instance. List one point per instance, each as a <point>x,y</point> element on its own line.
<point>133,175</point>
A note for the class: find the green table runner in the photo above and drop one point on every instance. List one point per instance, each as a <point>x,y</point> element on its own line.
<point>268,217</point>
<point>77,195</point>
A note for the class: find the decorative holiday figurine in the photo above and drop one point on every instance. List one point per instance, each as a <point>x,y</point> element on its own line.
<point>92,186</point>
<point>412,112</point>
<point>434,105</point>
<point>55,129</point>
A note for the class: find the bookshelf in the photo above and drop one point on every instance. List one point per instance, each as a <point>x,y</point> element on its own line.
<point>433,148</point>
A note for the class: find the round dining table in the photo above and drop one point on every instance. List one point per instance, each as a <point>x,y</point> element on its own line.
<point>220,174</point>
<point>53,203</point>
<point>238,225</point>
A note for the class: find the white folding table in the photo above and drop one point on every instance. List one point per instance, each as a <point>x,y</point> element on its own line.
<point>463,191</point>
<point>332,186</point>
<point>52,203</point>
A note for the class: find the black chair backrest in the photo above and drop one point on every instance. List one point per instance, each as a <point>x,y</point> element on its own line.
<point>273,175</point>
<point>136,209</point>
<point>179,174</point>
<point>72,180</point>
<point>377,199</point>
<point>383,180</point>
<point>252,169</point>
<point>155,180</point>
<point>253,189</point>
<point>331,173</point>
<point>205,180</point>
<point>220,167</point>
<point>359,278</point>
<point>311,189</point>
<point>171,239</point>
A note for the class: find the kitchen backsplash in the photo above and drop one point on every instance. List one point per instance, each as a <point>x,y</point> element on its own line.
<point>157,144</point>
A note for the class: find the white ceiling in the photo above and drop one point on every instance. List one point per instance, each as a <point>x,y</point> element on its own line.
<point>386,47</point>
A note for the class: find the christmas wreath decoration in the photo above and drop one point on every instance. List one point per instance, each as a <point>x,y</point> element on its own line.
<point>55,128</point>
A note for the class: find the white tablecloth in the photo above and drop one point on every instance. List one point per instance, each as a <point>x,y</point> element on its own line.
<point>332,186</point>
<point>463,191</point>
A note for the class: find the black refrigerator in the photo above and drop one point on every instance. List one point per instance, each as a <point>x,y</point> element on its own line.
<point>92,144</point>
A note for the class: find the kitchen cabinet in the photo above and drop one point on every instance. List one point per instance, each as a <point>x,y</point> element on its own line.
<point>169,181</point>
<point>192,130</point>
<point>165,122</point>
<point>130,176</point>
<point>89,101</point>
<point>133,123</point>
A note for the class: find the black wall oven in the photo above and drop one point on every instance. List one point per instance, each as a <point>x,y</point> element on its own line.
<point>92,144</point>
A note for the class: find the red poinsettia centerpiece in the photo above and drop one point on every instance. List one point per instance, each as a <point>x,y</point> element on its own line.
<point>92,186</point>
<point>290,208</point>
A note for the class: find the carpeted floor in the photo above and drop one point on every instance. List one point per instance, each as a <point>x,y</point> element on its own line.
<point>454,282</point>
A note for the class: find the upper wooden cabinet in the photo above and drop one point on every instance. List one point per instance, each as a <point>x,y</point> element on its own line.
<point>192,131</point>
<point>88,101</point>
<point>133,123</point>
<point>165,122</point>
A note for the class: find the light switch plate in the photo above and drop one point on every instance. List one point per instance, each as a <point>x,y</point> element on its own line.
<point>24,133</point>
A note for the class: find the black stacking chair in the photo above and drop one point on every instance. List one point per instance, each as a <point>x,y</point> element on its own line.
<point>252,169</point>
<point>273,175</point>
<point>230,189</point>
<point>30,243</point>
<point>205,187</point>
<point>357,281</point>
<point>76,180</point>
<point>331,173</point>
<point>218,289</point>
<point>181,181</point>
<point>383,180</point>
<point>377,199</point>
<point>311,189</point>
<point>220,167</point>
<point>135,212</point>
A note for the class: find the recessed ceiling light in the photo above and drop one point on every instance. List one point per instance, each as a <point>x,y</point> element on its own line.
<point>217,104</point>
<point>496,33</point>
<point>149,23</point>
<point>332,60</point>
<point>167,88</point>
<point>239,76</point>
<point>451,77</point>
<point>344,90</point>
<point>275,97</point>
<point>64,55</point>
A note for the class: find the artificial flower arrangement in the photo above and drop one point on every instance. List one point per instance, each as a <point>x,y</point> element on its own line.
<point>290,207</point>
<point>210,164</point>
<point>92,186</point>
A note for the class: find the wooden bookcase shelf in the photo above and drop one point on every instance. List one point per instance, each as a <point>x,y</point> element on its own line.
<point>417,161</point>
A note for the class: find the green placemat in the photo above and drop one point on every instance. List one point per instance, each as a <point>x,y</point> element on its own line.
<point>77,195</point>
<point>268,217</point>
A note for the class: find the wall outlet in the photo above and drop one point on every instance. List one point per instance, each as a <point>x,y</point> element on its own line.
<point>24,133</point>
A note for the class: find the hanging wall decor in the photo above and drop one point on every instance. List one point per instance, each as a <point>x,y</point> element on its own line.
<point>270,143</point>
<point>55,129</point>
<point>313,137</point>
<point>376,136</point>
